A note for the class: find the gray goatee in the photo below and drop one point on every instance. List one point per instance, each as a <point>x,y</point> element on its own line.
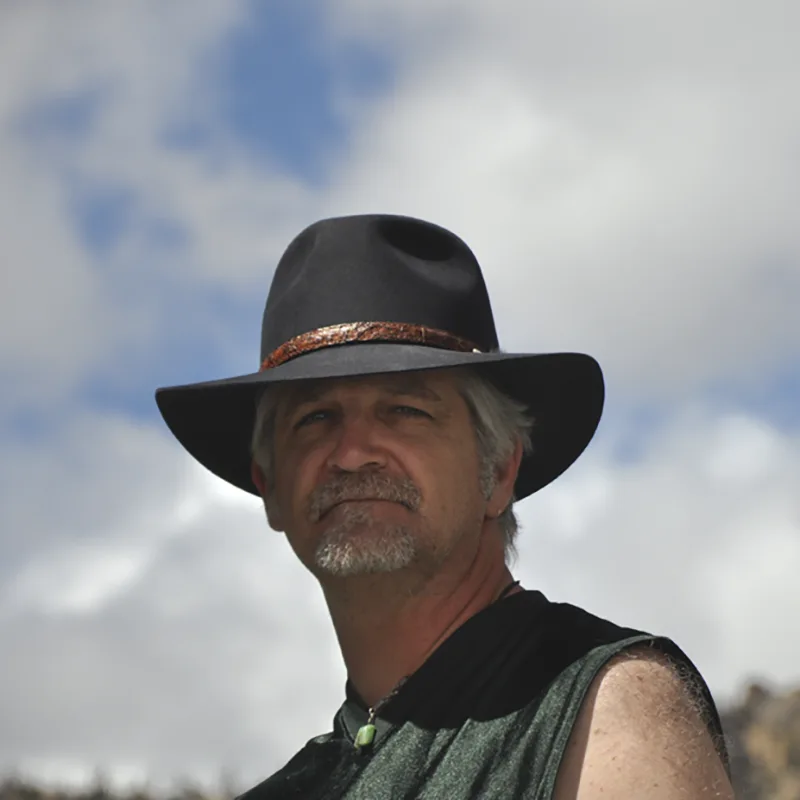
<point>357,543</point>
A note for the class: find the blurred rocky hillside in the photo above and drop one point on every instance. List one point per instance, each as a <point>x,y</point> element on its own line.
<point>763,736</point>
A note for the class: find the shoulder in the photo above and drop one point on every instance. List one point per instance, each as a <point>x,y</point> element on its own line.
<point>304,769</point>
<point>641,732</point>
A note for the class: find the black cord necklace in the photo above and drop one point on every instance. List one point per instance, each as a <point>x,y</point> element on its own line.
<point>366,733</point>
<point>506,590</point>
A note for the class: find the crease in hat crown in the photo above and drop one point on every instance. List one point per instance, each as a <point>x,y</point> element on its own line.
<point>377,269</point>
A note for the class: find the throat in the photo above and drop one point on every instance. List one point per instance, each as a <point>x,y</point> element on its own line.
<point>379,650</point>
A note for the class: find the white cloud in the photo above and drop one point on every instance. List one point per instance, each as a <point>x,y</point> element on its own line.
<point>625,180</point>
<point>88,95</point>
<point>51,307</point>
<point>623,200</point>
<point>146,592</point>
<point>698,540</point>
<point>128,591</point>
<point>79,581</point>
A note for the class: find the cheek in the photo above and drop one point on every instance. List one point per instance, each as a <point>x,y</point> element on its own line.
<point>454,481</point>
<point>295,479</point>
<point>282,481</point>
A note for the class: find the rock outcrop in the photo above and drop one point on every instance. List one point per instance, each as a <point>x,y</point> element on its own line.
<point>763,736</point>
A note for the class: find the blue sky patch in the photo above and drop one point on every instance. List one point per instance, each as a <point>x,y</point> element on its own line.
<point>199,334</point>
<point>101,213</point>
<point>281,77</point>
<point>775,398</point>
<point>62,119</point>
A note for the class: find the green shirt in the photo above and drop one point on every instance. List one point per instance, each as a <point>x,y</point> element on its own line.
<point>488,715</point>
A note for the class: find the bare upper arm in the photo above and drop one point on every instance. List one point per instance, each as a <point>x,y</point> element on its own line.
<point>639,734</point>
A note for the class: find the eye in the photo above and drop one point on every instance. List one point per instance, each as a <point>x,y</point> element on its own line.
<point>314,416</point>
<point>410,411</point>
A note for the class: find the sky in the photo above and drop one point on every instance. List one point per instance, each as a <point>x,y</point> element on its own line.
<point>627,174</point>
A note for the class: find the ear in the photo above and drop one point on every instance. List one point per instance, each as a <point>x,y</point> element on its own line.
<point>257,476</point>
<point>503,491</point>
<point>268,496</point>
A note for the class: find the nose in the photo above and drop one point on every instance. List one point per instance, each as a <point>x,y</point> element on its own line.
<point>356,447</point>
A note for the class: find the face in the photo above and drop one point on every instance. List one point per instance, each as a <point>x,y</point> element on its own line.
<point>376,474</point>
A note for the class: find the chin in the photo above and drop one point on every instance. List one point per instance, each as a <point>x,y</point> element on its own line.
<point>365,549</point>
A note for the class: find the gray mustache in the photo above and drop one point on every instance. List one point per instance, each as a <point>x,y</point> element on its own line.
<point>367,486</point>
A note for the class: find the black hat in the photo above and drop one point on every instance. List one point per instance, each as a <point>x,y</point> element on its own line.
<point>372,294</point>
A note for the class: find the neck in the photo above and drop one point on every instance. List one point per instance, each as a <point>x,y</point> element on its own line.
<point>388,625</point>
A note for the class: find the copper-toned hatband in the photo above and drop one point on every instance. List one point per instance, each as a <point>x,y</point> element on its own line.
<point>351,332</point>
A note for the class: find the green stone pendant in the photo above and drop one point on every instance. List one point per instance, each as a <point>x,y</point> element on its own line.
<point>365,735</point>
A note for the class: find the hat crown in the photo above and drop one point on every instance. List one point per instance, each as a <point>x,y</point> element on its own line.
<point>377,268</point>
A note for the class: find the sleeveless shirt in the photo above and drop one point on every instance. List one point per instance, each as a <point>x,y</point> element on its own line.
<point>488,715</point>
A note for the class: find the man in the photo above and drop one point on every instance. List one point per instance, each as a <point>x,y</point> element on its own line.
<point>389,437</point>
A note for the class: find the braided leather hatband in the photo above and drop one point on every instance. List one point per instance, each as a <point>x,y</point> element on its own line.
<point>352,332</point>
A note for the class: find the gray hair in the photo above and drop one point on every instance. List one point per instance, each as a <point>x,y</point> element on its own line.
<point>499,420</point>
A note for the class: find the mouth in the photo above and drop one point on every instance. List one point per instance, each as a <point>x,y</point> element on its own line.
<point>361,500</point>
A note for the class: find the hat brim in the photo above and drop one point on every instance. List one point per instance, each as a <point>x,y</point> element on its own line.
<point>564,392</point>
